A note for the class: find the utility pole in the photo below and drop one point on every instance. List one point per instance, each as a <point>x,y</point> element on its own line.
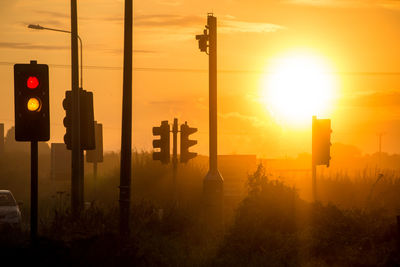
<point>1,139</point>
<point>213,182</point>
<point>313,161</point>
<point>126,137</point>
<point>77,153</point>
<point>175,160</point>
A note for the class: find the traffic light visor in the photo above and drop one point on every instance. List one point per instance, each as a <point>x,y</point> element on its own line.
<point>32,82</point>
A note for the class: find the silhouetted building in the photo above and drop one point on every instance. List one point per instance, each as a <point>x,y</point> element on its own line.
<point>12,146</point>
<point>235,170</point>
<point>60,162</point>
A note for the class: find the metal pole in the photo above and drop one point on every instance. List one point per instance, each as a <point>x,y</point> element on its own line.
<point>174,160</point>
<point>76,146</point>
<point>95,176</point>
<point>81,68</point>
<point>38,27</point>
<point>314,182</point>
<point>313,161</point>
<point>126,138</point>
<point>213,182</point>
<point>1,138</point>
<point>212,24</point>
<point>34,191</point>
<point>82,179</point>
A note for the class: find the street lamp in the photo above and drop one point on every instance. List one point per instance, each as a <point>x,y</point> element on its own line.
<point>38,27</point>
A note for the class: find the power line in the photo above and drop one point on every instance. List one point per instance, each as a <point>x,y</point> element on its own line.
<point>153,69</point>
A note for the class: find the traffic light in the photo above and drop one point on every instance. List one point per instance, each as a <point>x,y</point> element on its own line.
<point>31,102</point>
<point>203,39</point>
<point>321,141</point>
<point>67,105</point>
<point>186,143</point>
<point>86,120</point>
<point>88,141</point>
<point>162,143</point>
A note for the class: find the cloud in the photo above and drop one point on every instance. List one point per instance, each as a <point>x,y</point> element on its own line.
<point>170,3</point>
<point>227,23</point>
<point>254,121</point>
<point>120,51</point>
<point>230,25</point>
<point>21,45</point>
<point>63,15</point>
<point>376,99</point>
<point>389,4</point>
<point>167,103</point>
<point>166,20</point>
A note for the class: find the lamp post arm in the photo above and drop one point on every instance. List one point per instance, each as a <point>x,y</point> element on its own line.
<point>38,27</point>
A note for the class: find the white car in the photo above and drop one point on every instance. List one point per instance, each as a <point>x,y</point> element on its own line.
<point>9,210</point>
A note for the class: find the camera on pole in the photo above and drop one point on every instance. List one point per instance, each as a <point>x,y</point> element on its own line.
<point>162,144</point>
<point>31,102</point>
<point>186,143</point>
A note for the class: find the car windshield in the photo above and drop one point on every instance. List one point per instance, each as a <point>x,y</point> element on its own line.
<point>6,199</point>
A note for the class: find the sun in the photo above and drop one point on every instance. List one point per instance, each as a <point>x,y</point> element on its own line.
<point>296,87</point>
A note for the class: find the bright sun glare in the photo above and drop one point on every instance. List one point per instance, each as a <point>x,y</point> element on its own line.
<point>297,87</point>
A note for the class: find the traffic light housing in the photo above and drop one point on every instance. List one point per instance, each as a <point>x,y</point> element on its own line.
<point>186,143</point>
<point>31,102</point>
<point>67,105</point>
<point>163,144</point>
<point>86,120</point>
<point>88,141</point>
<point>321,141</point>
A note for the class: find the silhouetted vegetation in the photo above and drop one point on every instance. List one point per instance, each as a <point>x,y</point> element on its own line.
<point>272,225</point>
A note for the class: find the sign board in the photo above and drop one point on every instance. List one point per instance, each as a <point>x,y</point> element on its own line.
<point>60,162</point>
<point>96,155</point>
<point>321,141</point>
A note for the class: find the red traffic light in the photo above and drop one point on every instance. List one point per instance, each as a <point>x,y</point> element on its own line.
<point>32,82</point>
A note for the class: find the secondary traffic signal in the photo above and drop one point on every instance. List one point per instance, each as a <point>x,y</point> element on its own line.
<point>321,141</point>
<point>67,105</point>
<point>31,102</point>
<point>163,143</point>
<point>186,143</point>
<point>88,141</point>
<point>86,120</point>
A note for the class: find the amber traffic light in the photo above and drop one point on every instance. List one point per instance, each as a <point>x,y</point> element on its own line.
<point>31,102</point>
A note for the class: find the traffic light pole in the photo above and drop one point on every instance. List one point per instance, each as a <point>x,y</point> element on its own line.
<point>95,177</point>
<point>174,160</point>
<point>76,171</point>
<point>34,191</point>
<point>314,180</point>
<point>126,137</point>
<point>313,163</point>
<point>213,182</point>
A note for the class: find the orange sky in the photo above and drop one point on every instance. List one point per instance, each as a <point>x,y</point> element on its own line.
<point>171,79</point>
